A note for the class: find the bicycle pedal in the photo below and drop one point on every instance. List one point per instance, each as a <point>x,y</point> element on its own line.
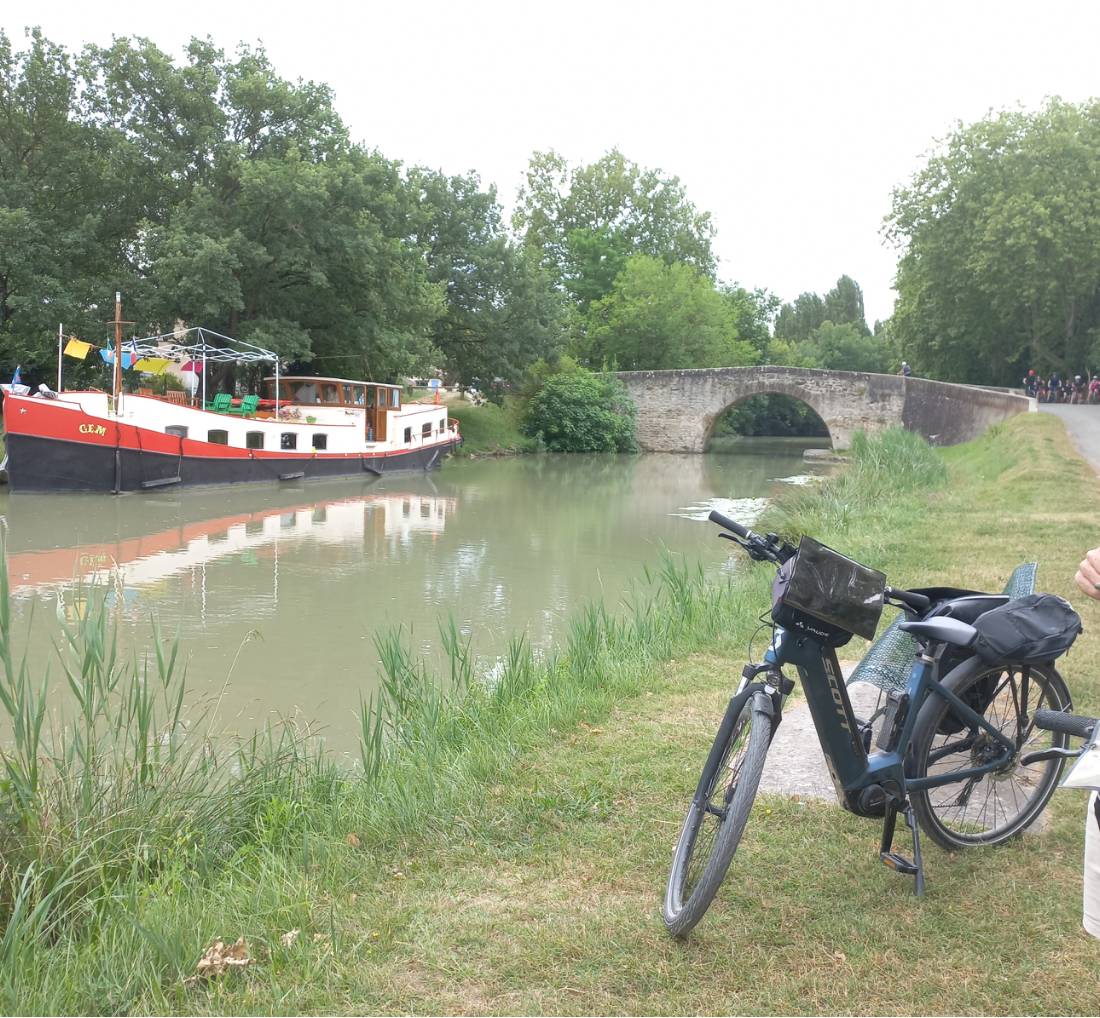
<point>898,863</point>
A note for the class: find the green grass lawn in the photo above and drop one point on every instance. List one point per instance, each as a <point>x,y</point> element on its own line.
<point>546,897</point>
<point>487,430</point>
<point>528,873</point>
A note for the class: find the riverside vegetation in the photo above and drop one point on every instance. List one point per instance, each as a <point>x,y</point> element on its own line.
<point>504,845</point>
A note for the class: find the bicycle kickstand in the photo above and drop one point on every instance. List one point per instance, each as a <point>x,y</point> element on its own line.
<point>898,863</point>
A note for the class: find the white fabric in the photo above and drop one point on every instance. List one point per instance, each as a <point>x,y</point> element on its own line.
<point>1092,870</point>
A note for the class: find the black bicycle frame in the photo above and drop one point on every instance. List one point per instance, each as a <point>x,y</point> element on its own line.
<point>850,767</point>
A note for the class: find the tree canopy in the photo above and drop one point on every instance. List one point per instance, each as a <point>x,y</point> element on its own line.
<point>664,316</point>
<point>585,222</point>
<point>213,191</point>
<point>1000,270</point>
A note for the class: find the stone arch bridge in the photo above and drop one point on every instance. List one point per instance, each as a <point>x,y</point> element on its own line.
<point>677,409</point>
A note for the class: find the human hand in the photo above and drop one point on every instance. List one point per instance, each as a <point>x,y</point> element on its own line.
<point>1088,574</point>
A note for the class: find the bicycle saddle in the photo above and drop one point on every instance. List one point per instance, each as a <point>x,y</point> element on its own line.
<point>941,630</point>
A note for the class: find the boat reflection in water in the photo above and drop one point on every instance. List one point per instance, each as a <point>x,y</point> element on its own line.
<point>126,565</point>
<point>304,582</point>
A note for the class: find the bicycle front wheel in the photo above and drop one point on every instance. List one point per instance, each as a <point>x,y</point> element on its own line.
<point>989,808</point>
<point>719,811</point>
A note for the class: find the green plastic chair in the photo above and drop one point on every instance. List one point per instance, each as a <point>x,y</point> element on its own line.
<point>223,403</point>
<point>248,407</point>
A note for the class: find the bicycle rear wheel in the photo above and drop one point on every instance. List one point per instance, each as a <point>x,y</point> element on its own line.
<point>719,810</point>
<point>989,808</point>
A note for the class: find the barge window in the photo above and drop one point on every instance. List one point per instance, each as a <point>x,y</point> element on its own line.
<point>288,440</point>
<point>426,431</point>
<point>254,440</point>
<point>395,397</point>
<point>178,430</point>
<point>408,435</point>
<point>442,423</point>
<point>330,393</point>
<point>320,441</point>
<point>218,436</point>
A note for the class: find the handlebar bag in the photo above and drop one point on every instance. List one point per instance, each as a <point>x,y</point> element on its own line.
<point>1028,630</point>
<point>827,595</point>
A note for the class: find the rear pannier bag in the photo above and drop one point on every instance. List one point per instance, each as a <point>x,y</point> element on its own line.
<point>827,596</point>
<point>1029,630</point>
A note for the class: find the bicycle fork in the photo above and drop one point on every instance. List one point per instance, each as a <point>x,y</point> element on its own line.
<point>898,863</point>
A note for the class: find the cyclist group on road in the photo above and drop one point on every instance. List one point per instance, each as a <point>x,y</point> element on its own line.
<point>1057,389</point>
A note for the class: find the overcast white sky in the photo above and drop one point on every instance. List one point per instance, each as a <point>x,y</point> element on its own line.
<point>789,121</point>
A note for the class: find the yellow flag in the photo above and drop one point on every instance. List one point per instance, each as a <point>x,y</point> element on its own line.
<point>152,365</point>
<point>78,348</point>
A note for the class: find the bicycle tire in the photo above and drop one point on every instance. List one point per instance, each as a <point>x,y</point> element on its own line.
<point>746,731</point>
<point>966,814</point>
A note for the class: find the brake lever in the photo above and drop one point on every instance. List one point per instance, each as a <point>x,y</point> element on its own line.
<point>1054,753</point>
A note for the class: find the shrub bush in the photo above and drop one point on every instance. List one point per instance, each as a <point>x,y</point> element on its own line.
<point>581,412</point>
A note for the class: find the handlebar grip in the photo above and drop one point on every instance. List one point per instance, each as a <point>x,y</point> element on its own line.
<point>725,521</point>
<point>918,602</point>
<point>1068,724</point>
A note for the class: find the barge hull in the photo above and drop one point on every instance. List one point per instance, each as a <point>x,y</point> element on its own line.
<point>39,464</point>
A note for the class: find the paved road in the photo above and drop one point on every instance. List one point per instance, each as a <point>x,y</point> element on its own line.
<point>1083,424</point>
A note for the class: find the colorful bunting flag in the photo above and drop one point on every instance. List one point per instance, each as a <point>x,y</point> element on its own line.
<point>152,365</point>
<point>78,348</point>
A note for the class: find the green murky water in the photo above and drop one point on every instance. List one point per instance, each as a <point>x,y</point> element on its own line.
<point>283,590</point>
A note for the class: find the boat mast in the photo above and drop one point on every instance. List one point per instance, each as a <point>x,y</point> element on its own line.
<point>116,387</point>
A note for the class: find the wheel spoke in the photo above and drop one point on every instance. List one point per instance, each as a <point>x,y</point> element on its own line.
<point>991,806</point>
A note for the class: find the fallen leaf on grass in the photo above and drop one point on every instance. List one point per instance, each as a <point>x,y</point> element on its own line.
<point>218,958</point>
<point>353,840</point>
<point>321,938</point>
<point>289,938</point>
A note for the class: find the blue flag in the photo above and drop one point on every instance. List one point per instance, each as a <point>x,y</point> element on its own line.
<point>17,379</point>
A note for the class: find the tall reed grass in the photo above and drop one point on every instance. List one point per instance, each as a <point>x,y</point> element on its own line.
<point>885,471</point>
<point>128,822</point>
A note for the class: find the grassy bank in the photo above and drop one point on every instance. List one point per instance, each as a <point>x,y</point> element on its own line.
<point>505,849</point>
<point>488,430</point>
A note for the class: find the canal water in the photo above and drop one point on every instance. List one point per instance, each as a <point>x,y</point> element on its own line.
<point>278,594</point>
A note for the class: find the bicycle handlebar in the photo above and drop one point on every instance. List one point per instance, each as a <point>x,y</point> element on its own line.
<point>771,548</point>
<point>1067,724</point>
<point>725,521</point>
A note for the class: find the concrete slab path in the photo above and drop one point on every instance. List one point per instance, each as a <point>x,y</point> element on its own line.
<point>795,764</point>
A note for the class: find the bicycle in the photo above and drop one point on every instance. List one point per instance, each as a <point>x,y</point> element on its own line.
<point>955,751</point>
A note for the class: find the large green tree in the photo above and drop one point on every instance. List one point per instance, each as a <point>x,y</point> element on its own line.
<point>844,305</point>
<point>502,310</point>
<point>585,222</point>
<point>264,221</point>
<point>664,316</point>
<point>209,190</point>
<point>753,312</point>
<point>62,208</point>
<point>799,320</point>
<point>1000,269</point>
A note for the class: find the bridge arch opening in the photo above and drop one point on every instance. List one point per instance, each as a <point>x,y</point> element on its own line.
<point>767,415</point>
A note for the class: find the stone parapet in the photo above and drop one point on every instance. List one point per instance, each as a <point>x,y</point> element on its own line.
<point>678,409</point>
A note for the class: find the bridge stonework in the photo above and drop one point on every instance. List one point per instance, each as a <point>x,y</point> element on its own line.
<point>677,409</point>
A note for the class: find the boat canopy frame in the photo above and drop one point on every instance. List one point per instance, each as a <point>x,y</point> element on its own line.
<point>237,352</point>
